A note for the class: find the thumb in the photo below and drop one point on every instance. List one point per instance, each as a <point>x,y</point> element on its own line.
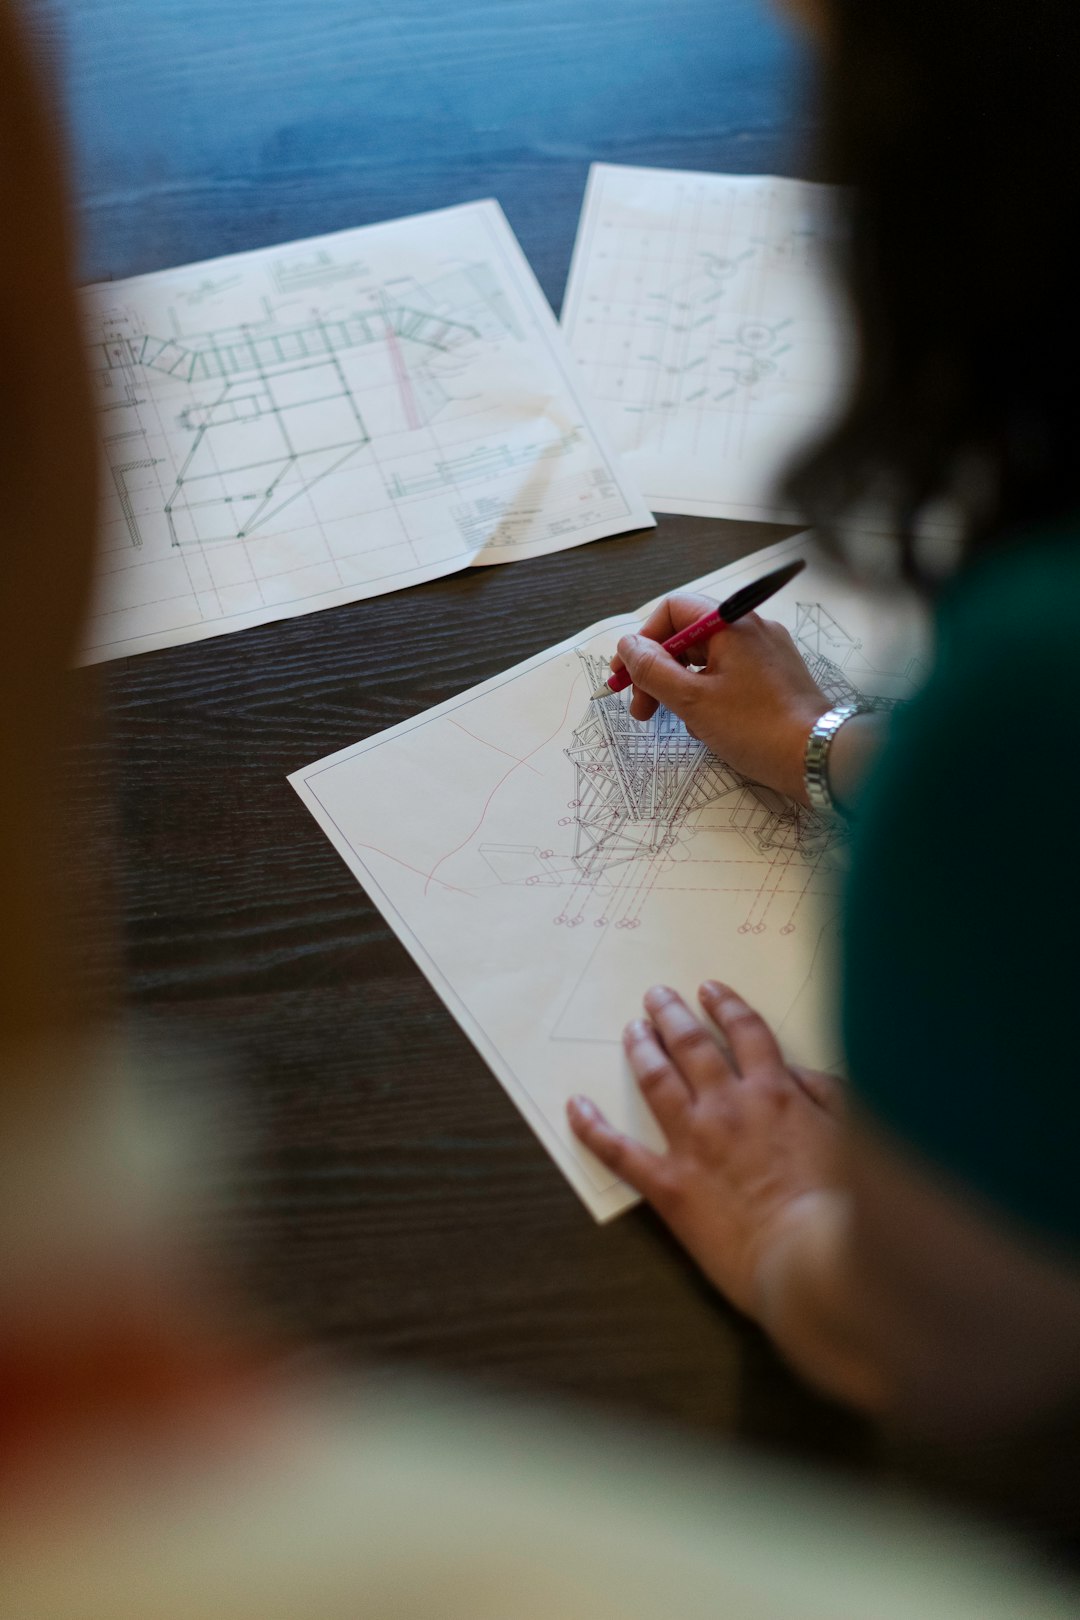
<point>654,671</point>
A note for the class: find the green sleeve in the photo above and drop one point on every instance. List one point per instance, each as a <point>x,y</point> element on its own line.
<point>961,981</point>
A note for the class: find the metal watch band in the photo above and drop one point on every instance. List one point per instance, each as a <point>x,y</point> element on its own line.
<point>816,758</point>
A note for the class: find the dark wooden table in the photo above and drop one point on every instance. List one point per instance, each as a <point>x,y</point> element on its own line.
<point>390,1200</point>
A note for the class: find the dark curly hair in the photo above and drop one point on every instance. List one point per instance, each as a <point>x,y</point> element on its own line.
<point>954,126</point>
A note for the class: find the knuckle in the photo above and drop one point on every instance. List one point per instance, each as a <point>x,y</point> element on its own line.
<point>737,1015</point>
<point>646,658</point>
<point>690,1040</point>
<point>651,1075</point>
<point>772,1088</point>
<point>691,605</point>
<point>712,1126</point>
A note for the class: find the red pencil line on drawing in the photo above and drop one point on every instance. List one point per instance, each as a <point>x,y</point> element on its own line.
<point>810,973</point>
<point>496,747</point>
<point>809,879</point>
<point>404,382</point>
<point>523,761</point>
<point>779,879</point>
<point>427,876</point>
<point>760,895</point>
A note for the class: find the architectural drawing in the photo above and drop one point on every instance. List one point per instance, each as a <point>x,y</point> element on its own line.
<point>698,312</point>
<point>545,859</point>
<point>301,271</point>
<point>297,428</point>
<point>641,796</point>
<point>277,413</point>
<point>127,477</point>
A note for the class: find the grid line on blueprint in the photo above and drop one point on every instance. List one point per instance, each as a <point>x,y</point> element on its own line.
<point>331,420</point>
<point>698,312</point>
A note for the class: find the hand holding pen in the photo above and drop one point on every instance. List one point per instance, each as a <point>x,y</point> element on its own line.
<point>752,701</point>
<point>697,633</point>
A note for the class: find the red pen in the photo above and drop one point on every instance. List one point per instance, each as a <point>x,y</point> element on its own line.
<point>741,602</point>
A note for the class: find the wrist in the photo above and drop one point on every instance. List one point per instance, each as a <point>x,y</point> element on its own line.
<point>819,793</point>
<point>793,1236</point>
<point>802,724</point>
<point>855,748</point>
<point>805,1299</point>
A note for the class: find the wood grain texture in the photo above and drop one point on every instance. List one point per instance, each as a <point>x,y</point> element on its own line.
<point>388,1199</point>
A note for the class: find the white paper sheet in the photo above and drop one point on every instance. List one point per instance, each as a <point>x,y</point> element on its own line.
<point>298,427</point>
<point>545,859</point>
<point>701,321</point>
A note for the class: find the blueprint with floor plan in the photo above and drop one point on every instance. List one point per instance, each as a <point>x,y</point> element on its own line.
<point>700,315</point>
<point>302,426</point>
<point>546,859</point>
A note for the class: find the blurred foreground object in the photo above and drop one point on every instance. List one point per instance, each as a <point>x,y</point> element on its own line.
<point>155,1462</point>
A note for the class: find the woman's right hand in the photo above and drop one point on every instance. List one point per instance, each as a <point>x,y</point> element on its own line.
<point>753,701</point>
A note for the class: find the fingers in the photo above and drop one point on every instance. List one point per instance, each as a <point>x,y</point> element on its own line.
<point>662,1085</point>
<point>674,613</point>
<point>636,1165</point>
<point>658,675</point>
<point>690,1046</point>
<point>642,706</point>
<point>752,1042</point>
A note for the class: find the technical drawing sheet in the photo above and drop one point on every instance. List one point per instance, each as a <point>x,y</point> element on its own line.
<point>700,317</point>
<point>302,426</point>
<point>546,859</point>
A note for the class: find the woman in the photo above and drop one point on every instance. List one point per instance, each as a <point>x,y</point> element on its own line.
<point>156,1455</point>
<point>920,1256</point>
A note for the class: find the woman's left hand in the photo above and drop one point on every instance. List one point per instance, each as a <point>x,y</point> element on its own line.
<point>751,1139</point>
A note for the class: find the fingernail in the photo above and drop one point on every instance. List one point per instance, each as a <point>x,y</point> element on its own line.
<point>711,988</point>
<point>658,995</point>
<point>628,644</point>
<point>584,1107</point>
<point>637,1030</point>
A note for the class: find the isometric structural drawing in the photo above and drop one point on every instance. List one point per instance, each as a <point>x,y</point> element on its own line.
<point>295,428</point>
<point>642,795</point>
<point>546,859</point>
<point>699,312</point>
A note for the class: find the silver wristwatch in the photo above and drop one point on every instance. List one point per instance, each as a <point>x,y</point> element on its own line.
<point>816,758</point>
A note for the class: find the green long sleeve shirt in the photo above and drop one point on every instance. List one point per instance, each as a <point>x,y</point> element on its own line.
<point>961,965</point>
